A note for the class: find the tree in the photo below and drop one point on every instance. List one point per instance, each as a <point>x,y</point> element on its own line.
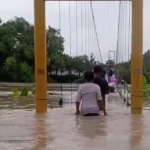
<point>17,54</point>
<point>0,20</point>
<point>110,63</point>
<point>17,50</point>
<point>80,64</point>
<point>55,49</point>
<point>146,65</point>
<point>125,68</point>
<point>92,62</point>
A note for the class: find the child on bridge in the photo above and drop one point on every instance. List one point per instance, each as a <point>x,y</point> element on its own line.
<point>89,96</point>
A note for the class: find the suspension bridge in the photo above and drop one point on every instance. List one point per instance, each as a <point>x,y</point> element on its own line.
<point>123,47</point>
<point>60,128</point>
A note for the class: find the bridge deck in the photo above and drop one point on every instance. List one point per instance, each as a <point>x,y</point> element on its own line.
<point>62,130</point>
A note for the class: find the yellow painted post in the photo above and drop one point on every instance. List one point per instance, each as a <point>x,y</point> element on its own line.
<point>40,56</point>
<point>137,57</point>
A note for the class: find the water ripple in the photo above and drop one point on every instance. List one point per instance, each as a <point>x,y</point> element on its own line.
<point>60,129</point>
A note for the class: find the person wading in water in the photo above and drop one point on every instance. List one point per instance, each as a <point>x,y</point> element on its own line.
<point>89,96</point>
<point>103,84</point>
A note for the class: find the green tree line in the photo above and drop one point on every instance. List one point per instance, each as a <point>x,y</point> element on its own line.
<point>124,69</point>
<point>17,54</point>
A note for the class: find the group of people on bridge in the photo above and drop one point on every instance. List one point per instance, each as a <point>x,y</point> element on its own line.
<point>91,95</point>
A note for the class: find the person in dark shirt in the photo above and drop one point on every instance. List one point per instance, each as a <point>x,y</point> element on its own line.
<point>110,73</point>
<point>103,73</point>
<point>103,84</point>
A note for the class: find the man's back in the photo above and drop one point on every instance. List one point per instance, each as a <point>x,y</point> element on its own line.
<point>103,74</point>
<point>90,93</point>
<point>103,86</point>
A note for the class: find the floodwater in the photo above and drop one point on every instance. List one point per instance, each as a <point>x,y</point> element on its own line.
<point>60,129</point>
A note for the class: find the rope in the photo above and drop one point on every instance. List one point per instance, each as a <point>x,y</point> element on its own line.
<point>54,91</point>
<point>72,83</point>
<point>96,31</point>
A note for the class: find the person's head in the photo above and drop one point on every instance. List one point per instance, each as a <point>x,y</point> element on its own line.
<point>97,70</point>
<point>89,76</point>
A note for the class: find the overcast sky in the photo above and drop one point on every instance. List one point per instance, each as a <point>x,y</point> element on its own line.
<point>106,18</point>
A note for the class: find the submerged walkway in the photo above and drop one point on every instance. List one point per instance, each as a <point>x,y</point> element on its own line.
<point>60,129</point>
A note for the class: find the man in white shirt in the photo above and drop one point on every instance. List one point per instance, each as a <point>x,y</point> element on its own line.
<point>89,96</point>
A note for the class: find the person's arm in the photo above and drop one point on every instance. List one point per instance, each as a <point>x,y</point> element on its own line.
<point>100,101</point>
<point>78,100</point>
<point>106,87</point>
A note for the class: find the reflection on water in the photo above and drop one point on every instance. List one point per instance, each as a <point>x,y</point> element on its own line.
<point>136,131</point>
<point>9,101</point>
<point>60,129</point>
<point>98,128</point>
<point>40,133</point>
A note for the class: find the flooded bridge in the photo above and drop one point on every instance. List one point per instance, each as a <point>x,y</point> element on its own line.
<point>60,129</point>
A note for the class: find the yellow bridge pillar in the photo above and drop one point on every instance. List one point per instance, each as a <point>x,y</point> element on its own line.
<point>40,56</point>
<point>137,57</point>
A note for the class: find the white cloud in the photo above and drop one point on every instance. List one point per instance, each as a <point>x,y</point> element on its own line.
<point>106,15</point>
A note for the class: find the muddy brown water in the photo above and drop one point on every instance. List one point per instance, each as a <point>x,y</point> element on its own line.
<point>50,86</point>
<point>60,129</point>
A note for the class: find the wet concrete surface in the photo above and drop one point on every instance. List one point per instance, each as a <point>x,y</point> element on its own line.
<point>60,129</point>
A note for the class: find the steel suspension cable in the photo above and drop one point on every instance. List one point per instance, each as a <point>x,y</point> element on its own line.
<point>60,44</point>
<point>76,28</point>
<point>122,34</point>
<point>129,35</point>
<point>129,27</point>
<point>124,43</point>
<point>119,39</point>
<point>96,31</point>
<point>81,29</point>
<point>77,31</point>
<point>70,41</point>
<point>125,22</point>
<point>123,38</point>
<point>125,31</point>
<point>108,19</point>
<point>88,32</point>
<point>117,47</point>
<point>85,26</point>
<point>59,16</point>
<point>118,36</point>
